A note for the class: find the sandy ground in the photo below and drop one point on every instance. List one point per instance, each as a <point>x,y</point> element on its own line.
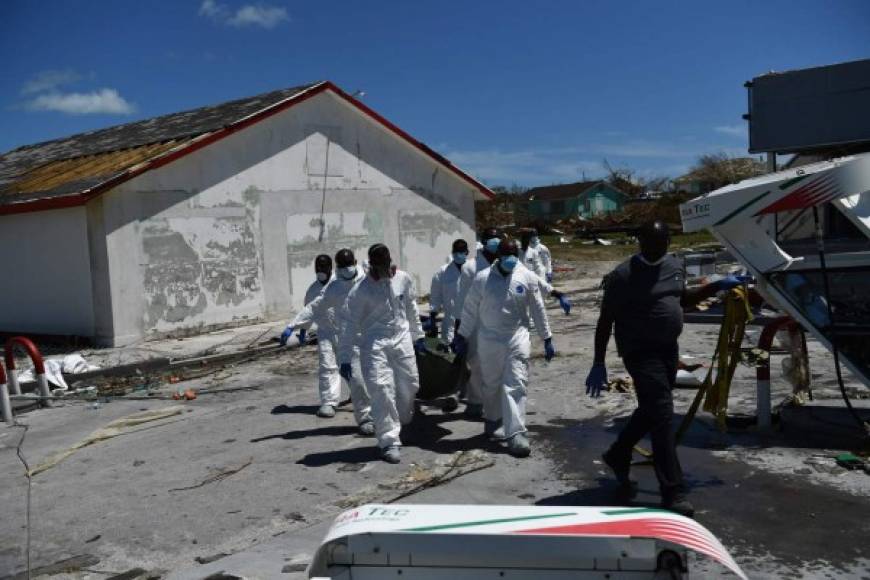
<point>246,479</point>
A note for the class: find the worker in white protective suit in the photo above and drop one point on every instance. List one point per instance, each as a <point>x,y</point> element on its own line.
<point>536,257</point>
<point>381,309</point>
<point>324,310</point>
<point>450,284</point>
<point>487,252</point>
<point>498,308</point>
<point>544,255</point>
<point>531,256</point>
<point>329,394</point>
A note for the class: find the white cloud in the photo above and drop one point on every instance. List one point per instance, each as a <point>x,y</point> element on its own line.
<point>732,130</point>
<point>211,9</point>
<point>262,15</point>
<point>49,80</point>
<point>102,101</point>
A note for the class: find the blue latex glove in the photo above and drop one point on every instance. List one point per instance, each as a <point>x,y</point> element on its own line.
<point>429,322</point>
<point>301,336</point>
<point>549,277</point>
<point>459,345</point>
<point>565,304</point>
<point>345,371</point>
<point>731,281</point>
<point>596,380</point>
<point>420,346</point>
<point>285,336</point>
<point>549,350</point>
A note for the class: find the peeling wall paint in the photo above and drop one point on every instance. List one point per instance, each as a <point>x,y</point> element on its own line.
<point>228,234</point>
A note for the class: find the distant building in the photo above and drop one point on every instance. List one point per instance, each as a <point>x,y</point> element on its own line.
<point>213,217</point>
<point>584,200</point>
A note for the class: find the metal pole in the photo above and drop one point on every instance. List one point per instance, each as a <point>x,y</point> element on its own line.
<point>771,162</point>
<point>14,387</point>
<point>44,391</point>
<point>762,372</point>
<point>6,405</point>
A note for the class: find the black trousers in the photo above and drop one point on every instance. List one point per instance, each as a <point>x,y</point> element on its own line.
<point>654,373</point>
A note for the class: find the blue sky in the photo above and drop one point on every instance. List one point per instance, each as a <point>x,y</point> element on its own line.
<point>513,91</point>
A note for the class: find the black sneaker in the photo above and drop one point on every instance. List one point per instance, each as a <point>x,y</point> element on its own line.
<point>679,504</point>
<point>620,470</point>
<point>451,403</point>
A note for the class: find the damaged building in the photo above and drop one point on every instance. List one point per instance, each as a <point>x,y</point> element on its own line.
<point>212,217</point>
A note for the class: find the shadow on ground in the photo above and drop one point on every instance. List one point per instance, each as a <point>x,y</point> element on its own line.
<point>751,510</point>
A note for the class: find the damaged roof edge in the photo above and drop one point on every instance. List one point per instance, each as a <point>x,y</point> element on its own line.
<point>82,197</point>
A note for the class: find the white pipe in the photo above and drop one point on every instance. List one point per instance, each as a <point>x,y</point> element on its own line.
<point>44,391</point>
<point>6,405</point>
<point>14,387</point>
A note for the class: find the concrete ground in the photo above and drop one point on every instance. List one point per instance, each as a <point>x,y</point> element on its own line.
<point>245,479</point>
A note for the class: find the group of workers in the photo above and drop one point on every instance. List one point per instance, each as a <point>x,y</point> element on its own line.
<point>369,332</point>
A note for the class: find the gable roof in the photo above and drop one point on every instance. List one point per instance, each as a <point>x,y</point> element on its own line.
<point>69,171</point>
<point>566,190</point>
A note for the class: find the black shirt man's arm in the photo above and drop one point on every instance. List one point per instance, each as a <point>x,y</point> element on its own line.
<point>602,335</point>
<point>605,322</point>
<point>692,296</point>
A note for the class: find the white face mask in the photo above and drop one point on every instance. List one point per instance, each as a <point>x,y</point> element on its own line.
<point>347,273</point>
<point>648,263</point>
<point>322,277</point>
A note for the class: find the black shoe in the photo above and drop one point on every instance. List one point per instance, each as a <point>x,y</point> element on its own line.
<point>679,504</point>
<point>620,469</point>
<point>451,403</point>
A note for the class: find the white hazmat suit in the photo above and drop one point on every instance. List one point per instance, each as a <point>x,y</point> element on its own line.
<point>383,314</point>
<point>533,259</point>
<point>498,308</point>
<point>546,259</point>
<point>323,311</point>
<point>450,285</point>
<point>447,293</point>
<point>475,381</point>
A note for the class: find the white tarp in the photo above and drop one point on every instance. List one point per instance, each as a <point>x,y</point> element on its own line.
<point>55,367</point>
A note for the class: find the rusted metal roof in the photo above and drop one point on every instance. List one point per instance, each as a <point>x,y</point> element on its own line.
<point>80,162</point>
<point>66,176</point>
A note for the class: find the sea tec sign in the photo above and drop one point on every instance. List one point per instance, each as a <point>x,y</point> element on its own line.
<point>693,211</point>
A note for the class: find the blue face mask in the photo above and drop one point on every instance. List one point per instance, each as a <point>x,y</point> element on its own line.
<point>459,257</point>
<point>492,245</point>
<point>508,263</point>
<point>347,273</point>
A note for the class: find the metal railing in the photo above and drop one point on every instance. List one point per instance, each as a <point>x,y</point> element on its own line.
<point>9,384</point>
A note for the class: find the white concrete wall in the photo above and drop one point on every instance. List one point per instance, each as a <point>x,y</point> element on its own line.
<point>46,285</point>
<point>228,234</point>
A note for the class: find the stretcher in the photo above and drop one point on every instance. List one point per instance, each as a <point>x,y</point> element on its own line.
<point>467,542</point>
<point>441,373</point>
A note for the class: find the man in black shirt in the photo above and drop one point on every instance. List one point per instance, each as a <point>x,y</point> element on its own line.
<point>644,299</point>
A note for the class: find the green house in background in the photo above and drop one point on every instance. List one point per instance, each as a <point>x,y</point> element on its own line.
<point>584,199</point>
